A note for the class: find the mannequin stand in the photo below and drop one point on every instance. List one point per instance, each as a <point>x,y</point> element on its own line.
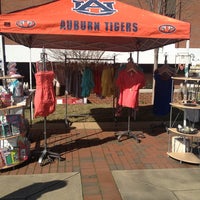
<point>48,156</point>
<point>129,133</point>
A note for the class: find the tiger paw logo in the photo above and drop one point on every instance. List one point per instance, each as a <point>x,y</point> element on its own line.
<point>94,7</point>
<point>167,29</point>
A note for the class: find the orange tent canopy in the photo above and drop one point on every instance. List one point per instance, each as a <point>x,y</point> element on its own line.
<point>106,25</point>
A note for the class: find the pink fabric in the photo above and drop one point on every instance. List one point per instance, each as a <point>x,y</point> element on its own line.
<point>129,84</point>
<point>44,100</point>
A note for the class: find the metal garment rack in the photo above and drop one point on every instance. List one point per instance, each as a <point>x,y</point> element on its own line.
<point>68,123</point>
<point>47,156</point>
<point>129,133</point>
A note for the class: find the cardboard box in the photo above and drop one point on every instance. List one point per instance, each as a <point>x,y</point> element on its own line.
<point>180,144</point>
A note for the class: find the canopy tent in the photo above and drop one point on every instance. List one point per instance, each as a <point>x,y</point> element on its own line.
<point>105,25</point>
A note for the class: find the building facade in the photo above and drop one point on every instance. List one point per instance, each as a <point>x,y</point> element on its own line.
<point>181,9</point>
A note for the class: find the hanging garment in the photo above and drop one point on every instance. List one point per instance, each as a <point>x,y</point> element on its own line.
<point>76,83</point>
<point>59,71</point>
<point>129,84</point>
<point>162,94</point>
<point>87,83</point>
<point>44,100</point>
<point>97,81</point>
<point>107,81</point>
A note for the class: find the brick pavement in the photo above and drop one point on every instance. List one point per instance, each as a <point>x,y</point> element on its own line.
<point>95,153</point>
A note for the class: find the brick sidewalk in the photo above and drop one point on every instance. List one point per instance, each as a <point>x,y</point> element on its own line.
<point>95,153</point>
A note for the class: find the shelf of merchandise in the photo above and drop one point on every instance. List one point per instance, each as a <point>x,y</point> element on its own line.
<point>7,109</point>
<point>188,157</point>
<point>7,138</point>
<point>11,77</point>
<point>182,106</point>
<point>185,78</point>
<point>11,107</point>
<point>12,165</point>
<point>10,137</point>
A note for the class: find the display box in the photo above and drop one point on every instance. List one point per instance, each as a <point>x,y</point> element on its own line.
<point>5,130</point>
<point>15,156</point>
<point>180,144</point>
<point>8,158</point>
<point>6,99</point>
<point>15,128</point>
<point>15,122</point>
<point>69,100</point>
<point>2,159</point>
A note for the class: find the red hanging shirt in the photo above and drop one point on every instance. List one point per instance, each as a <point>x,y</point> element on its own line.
<point>129,84</point>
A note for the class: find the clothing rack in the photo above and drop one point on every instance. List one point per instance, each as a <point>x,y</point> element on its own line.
<point>68,123</point>
<point>89,59</point>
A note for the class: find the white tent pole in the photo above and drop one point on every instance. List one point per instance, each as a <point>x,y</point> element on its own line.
<point>155,66</point>
<point>138,57</point>
<point>2,55</point>
<point>2,49</point>
<point>30,70</point>
<point>30,83</point>
<point>3,59</point>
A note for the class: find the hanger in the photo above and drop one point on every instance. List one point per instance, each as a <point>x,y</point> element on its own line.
<point>166,69</point>
<point>131,67</point>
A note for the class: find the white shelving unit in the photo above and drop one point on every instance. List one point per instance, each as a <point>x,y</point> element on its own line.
<point>184,146</point>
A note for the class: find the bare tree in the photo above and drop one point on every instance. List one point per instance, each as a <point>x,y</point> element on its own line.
<point>170,8</point>
<point>83,56</point>
<point>179,9</point>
